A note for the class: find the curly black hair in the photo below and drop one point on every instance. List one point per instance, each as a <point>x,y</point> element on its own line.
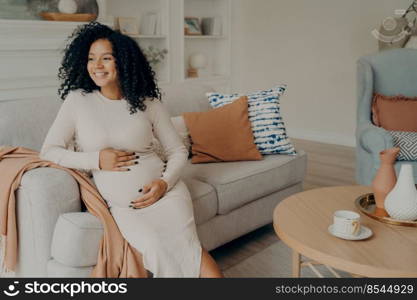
<point>136,77</point>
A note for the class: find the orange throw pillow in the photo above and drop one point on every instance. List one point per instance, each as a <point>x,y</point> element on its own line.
<point>397,113</point>
<point>222,134</point>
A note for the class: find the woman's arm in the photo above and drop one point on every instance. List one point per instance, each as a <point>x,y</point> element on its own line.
<point>165,132</point>
<point>59,137</point>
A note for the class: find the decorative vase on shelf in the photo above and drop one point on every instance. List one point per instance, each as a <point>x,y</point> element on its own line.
<point>196,61</point>
<point>385,179</point>
<point>102,11</point>
<point>67,6</point>
<point>401,202</point>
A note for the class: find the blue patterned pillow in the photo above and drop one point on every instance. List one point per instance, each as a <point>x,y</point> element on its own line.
<point>267,125</point>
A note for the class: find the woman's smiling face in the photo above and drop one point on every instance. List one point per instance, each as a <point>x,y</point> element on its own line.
<point>101,64</point>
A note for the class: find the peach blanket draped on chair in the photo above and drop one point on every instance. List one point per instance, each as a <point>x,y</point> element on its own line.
<point>116,258</point>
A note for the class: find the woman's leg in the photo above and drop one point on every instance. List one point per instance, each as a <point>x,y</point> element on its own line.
<point>209,268</point>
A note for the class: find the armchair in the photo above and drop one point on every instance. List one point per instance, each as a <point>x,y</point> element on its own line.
<point>390,73</point>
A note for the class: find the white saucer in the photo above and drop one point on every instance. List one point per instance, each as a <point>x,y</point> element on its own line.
<point>363,234</point>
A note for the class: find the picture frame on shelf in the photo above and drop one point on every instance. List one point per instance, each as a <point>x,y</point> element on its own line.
<point>192,26</point>
<point>128,25</point>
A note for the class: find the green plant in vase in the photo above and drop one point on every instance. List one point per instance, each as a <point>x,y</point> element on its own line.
<point>155,55</point>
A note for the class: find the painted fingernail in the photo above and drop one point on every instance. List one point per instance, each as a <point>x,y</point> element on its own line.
<point>136,162</point>
<point>140,191</point>
<point>137,156</point>
<point>130,205</point>
<point>128,169</point>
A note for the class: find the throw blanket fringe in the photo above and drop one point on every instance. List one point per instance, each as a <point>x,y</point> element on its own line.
<point>4,272</point>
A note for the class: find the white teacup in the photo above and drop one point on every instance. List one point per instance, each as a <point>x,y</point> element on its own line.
<point>346,222</point>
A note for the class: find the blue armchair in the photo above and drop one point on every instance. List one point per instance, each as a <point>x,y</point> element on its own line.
<point>390,73</point>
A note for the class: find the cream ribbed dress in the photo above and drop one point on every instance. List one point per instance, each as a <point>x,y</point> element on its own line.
<point>165,232</point>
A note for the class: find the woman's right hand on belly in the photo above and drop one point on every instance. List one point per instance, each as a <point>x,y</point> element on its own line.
<point>117,160</point>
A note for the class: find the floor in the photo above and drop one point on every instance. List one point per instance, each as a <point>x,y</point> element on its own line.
<point>328,165</point>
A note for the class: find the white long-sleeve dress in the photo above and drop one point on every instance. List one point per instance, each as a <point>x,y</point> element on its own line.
<point>165,232</point>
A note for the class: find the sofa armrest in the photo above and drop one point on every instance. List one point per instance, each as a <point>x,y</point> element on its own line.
<point>44,194</point>
<point>76,239</point>
<point>374,139</point>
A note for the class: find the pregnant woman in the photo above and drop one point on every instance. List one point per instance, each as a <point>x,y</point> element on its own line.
<point>112,106</point>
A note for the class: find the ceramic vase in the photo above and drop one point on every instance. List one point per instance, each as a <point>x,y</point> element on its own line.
<point>102,11</point>
<point>67,6</point>
<point>401,202</point>
<point>385,179</point>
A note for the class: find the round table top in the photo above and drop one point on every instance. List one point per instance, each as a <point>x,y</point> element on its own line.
<point>301,221</point>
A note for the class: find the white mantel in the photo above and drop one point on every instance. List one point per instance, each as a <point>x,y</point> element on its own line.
<point>30,53</point>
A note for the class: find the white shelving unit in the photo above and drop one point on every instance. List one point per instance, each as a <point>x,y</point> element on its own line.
<point>139,9</point>
<point>217,49</point>
<point>45,39</point>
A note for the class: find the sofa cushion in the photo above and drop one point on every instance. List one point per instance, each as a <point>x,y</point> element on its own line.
<point>204,200</point>
<point>185,97</point>
<point>222,134</point>
<point>238,183</point>
<point>76,239</point>
<point>179,125</point>
<point>56,269</point>
<point>264,114</point>
<point>25,122</point>
<point>397,113</point>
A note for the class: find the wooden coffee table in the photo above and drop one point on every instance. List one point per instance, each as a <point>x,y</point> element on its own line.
<point>301,222</point>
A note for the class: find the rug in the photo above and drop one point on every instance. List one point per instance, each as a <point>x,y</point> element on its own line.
<point>274,261</point>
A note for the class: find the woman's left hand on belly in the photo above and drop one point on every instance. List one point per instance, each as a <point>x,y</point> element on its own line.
<point>152,193</point>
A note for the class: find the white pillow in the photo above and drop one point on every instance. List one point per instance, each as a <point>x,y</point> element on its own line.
<point>182,131</point>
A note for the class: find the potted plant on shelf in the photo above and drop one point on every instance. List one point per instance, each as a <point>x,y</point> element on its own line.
<point>155,55</point>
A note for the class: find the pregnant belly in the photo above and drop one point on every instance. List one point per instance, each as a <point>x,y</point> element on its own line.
<point>120,188</point>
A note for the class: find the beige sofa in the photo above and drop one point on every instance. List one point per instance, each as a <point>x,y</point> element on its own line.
<point>57,238</point>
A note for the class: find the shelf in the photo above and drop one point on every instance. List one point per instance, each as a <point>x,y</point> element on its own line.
<point>208,78</point>
<point>204,37</point>
<point>38,24</point>
<point>141,36</point>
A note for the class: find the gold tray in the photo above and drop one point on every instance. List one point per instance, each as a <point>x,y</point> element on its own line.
<point>366,204</point>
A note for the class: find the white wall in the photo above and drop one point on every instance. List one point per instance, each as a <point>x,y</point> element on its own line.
<point>311,45</point>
